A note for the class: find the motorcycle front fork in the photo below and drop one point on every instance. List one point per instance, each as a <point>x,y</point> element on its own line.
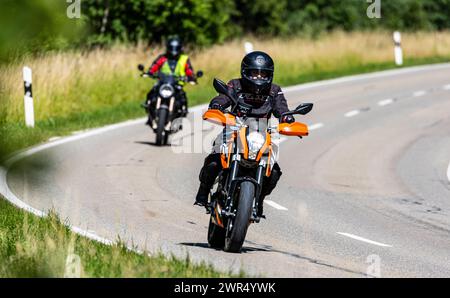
<point>259,179</point>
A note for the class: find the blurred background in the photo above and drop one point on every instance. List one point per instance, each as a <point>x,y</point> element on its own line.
<point>35,26</point>
<point>83,54</point>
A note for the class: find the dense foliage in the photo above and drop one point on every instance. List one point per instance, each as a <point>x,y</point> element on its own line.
<point>208,21</point>
<point>35,26</point>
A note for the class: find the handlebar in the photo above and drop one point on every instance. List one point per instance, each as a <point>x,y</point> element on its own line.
<point>178,78</point>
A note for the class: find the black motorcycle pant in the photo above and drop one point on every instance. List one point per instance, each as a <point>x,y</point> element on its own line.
<point>212,166</point>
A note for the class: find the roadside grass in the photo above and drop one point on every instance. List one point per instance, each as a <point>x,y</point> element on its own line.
<point>42,247</point>
<point>80,90</point>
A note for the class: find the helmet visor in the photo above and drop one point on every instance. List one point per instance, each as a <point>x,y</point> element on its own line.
<point>258,74</point>
<point>174,50</point>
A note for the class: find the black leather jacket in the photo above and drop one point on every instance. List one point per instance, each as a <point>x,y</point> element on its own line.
<point>263,105</point>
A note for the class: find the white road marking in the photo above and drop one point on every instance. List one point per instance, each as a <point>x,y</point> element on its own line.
<point>315,126</point>
<point>376,75</point>
<point>352,113</point>
<point>385,102</point>
<point>91,235</point>
<point>448,172</point>
<point>419,93</point>
<point>447,87</point>
<point>275,205</point>
<point>12,198</point>
<point>364,239</point>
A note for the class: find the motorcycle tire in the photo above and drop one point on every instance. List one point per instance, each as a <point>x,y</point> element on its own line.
<point>234,242</point>
<point>161,134</point>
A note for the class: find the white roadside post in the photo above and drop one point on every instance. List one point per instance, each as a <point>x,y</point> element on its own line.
<point>398,48</point>
<point>28,98</point>
<point>248,47</point>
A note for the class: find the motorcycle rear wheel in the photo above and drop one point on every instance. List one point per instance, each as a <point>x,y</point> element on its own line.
<point>242,220</point>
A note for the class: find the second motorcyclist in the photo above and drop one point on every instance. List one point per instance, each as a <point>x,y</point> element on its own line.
<point>173,62</point>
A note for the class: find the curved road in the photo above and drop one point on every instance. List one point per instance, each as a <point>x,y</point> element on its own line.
<point>367,192</point>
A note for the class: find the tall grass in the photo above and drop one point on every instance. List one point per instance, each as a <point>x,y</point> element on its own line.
<point>82,89</point>
<point>42,247</point>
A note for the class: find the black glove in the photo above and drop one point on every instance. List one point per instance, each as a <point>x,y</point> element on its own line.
<point>216,106</point>
<point>287,119</point>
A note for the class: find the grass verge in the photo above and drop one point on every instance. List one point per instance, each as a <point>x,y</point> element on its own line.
<point>45,247</point>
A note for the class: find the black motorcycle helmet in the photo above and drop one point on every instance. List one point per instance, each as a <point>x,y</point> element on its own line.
<point>174,47</point>
<point>257,73</point>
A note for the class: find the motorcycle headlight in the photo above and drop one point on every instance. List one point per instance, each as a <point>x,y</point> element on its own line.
<point>255,142</point>
<point>166,91</point>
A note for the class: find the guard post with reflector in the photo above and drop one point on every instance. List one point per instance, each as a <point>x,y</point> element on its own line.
<point>28,97</point>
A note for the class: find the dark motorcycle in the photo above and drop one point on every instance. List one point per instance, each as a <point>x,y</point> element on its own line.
<point>246,157</point>
<point>166,107</point>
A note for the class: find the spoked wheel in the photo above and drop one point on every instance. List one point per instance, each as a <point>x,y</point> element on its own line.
<point>161,134</point>
<point>237,228</point>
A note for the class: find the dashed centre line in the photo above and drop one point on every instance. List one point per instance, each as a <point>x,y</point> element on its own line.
<point>385,102</point>
<point>446,87</point>
<point>352,113</point>
<point>364,239</point>
<point>419,93</point>
<point>275,205</point>
<point>448,172</point>
<point>315,126</point>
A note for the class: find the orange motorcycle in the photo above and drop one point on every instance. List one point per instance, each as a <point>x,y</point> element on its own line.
<point>246,157</point>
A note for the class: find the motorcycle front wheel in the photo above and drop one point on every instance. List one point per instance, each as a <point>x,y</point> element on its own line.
<point>239,225</point>
<point>161,134</point>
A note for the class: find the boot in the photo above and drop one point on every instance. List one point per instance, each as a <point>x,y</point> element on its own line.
<point>260,211</point>
<point>202,195</point>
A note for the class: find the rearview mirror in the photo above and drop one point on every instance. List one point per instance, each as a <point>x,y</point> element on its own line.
<point>223,88</point>
<point>304,108</point>
<point>141,67</point>
<point>220,86</point>
<point>199,74</point>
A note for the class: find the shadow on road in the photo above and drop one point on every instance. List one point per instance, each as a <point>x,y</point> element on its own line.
<point>245,249</point>
<point>153,144</point>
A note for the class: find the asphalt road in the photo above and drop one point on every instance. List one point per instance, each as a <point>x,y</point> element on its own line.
<point>368,192</point>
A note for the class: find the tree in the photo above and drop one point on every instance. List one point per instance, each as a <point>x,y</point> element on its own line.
<point>202,22</point>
